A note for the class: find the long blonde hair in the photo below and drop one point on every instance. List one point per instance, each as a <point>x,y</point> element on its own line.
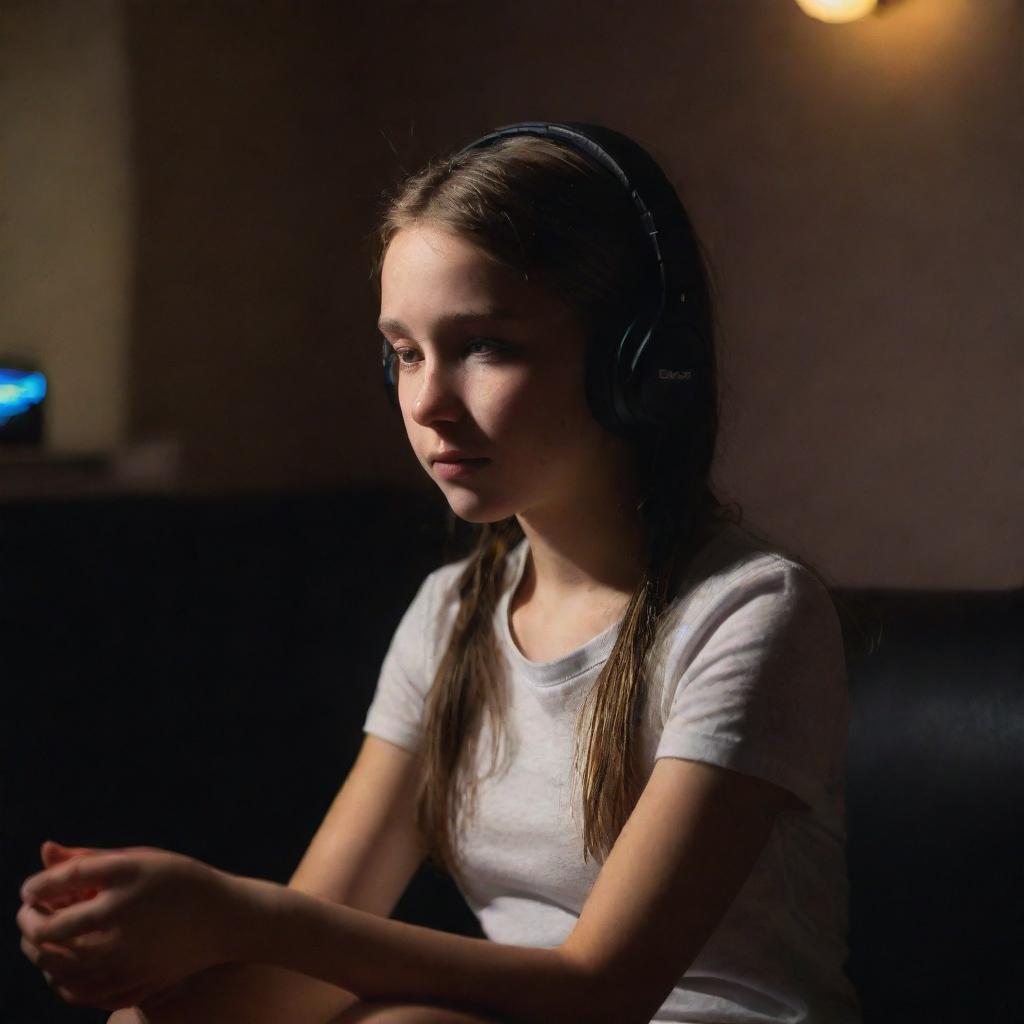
<point>544,210</point>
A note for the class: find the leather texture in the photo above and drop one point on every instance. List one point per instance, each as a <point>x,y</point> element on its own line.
<point>935,807</point>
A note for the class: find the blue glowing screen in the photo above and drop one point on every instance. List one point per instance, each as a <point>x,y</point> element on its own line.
<point>19,391</point>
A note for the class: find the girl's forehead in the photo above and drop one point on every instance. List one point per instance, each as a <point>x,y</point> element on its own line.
<point>428,271</point>
<point>425,254</point>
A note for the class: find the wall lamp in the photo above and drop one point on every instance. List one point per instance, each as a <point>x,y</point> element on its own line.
<point>837,11</point>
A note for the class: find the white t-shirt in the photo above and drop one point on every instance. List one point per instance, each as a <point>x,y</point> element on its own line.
<point>750,676</point>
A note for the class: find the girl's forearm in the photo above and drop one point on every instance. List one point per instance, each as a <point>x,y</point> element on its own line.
<point>244,992</point>
<point>384,960</point>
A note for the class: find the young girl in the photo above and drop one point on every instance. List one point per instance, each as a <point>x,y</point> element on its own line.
<point>619,723</point>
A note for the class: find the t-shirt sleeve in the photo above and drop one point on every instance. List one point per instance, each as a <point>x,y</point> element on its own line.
<point>762,683</point>
<point>397,710</point>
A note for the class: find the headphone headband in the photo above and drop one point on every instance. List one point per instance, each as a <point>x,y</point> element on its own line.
<point>656,202</point>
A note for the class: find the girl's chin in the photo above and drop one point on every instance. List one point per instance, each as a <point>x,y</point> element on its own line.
<point>474,509</point>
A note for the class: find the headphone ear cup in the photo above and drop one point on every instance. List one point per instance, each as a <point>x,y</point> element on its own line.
<point>627,395</point>
<point>615,377</point>
<point>610,385</point>
<point>668,376</point>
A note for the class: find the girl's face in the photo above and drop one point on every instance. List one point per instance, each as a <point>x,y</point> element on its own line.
<point>490,380</point>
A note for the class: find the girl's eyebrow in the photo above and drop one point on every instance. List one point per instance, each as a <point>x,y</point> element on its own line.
<point>387,325</point>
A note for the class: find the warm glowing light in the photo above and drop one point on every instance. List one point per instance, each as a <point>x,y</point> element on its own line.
<point>837,10</point>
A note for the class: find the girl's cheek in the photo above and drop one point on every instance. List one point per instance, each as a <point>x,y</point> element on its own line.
<point>516,396</point>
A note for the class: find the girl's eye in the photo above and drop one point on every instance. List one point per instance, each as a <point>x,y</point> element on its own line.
<point>406,356</point>
<point>483,347</point>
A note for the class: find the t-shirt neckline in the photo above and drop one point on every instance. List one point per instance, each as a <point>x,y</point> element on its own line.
<point>548,673</point>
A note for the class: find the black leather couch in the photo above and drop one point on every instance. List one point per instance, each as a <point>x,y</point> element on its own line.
<point>193,675</point>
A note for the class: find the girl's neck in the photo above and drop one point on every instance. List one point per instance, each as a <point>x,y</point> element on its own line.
<point>589,541</point>
<point>602,549</point>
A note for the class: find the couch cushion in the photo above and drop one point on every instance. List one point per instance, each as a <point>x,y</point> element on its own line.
<point>935,801</point>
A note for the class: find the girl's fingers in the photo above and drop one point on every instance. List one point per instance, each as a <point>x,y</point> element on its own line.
<point>76,980</point>
<point>78,874</point>
<point>32,951</point>
<point>63,964</point>
<point>45,956</point>
<point>80,980</point>
<point>66,899</point>
<point>53,853</point>
<point>60,927</point>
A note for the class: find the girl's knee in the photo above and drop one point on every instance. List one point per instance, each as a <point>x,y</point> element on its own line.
<point>403,1013</point>
<point>129,1015</point>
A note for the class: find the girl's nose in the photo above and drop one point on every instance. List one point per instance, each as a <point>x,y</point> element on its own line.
<point>434,396</point>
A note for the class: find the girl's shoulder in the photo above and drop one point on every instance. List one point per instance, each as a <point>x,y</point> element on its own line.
<point>736,561</point>
<point>750,672</point>
<point>744,592</point>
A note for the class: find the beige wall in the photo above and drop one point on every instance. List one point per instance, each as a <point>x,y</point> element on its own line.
<point>859,187</point>
<point>66,231</point>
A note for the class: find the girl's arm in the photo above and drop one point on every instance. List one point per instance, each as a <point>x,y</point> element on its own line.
<point>364,853</point>
<point>688,846</point>
<point>367,849</point>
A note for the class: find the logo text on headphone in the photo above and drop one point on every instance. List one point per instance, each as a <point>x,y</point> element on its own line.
<point>675,374</point>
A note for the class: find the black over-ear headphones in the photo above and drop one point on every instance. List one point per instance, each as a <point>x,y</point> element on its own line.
<point>650,376</point>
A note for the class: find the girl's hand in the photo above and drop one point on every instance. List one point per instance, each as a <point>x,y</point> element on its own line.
<point>110,928</point>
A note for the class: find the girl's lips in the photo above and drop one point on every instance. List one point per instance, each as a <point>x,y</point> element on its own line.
<point>460,469</point>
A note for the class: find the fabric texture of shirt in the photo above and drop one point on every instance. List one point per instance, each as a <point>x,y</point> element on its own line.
<point>749,675</point>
